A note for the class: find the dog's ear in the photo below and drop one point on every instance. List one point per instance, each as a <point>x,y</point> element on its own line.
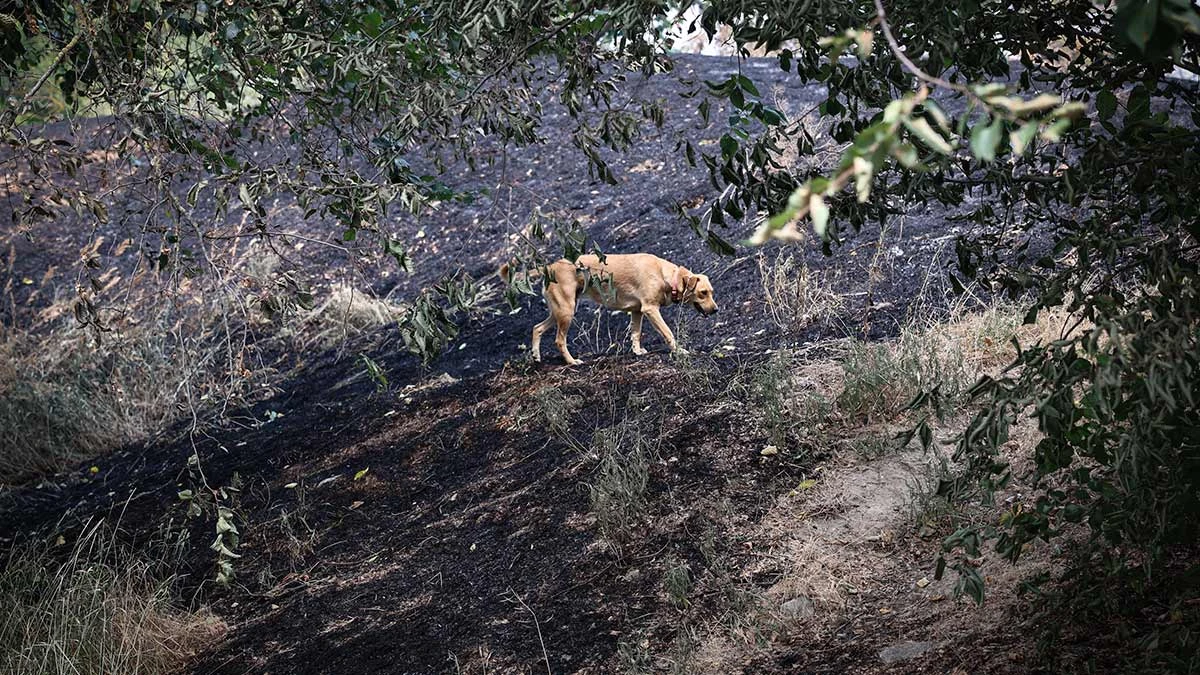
<point>690,280</point>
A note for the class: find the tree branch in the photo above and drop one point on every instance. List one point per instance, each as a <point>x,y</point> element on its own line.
<point>16,112</point>
<point>898,51</point>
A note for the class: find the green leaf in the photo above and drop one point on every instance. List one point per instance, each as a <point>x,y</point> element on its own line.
<point>864,171</point>
<point>939,116</point>
<point>921,129</point>
<point>985,139</point>
<point>785,60</point>
<point>1054,132</point>
<point>1022,137</point>
<point>747,84</point>
<point>969,583</point>
<point>990,90</point>
<point>865,40</point>
<point>1140,17</point>
<point>729,146</point>
<point>1106,104</point>
<point>1036,104</point>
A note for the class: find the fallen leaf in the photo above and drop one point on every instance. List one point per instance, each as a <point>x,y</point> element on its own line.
<point>289,486</point>
<point>355,504</point>
<point>769,451</point>
<point>359,474</point>
<point>922,582</point>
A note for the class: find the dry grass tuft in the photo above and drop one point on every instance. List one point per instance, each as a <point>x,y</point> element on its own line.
<point>344,314</point>
<point>100,611</point>
<point>64,398</point>
<point>949,356</point>
<point>797,297</point>
<point>881,379</point>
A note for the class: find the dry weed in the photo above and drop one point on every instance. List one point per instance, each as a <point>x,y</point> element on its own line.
<point>797,297</point>
<point>101,611</point>
<point>345,313</point>
<point>64,398</point>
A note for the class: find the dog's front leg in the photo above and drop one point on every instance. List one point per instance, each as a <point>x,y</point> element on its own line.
<point>635,331</point>
<point>661,326</point>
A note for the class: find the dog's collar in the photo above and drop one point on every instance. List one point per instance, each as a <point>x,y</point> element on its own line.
<point>676,293</point>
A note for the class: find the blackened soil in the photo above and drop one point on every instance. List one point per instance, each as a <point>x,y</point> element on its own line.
<point>637,215</point>
<point>429,529</point>
<point>467,522</point>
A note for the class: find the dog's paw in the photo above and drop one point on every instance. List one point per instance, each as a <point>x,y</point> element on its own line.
<point>574,362</point>
<point>640,351</point>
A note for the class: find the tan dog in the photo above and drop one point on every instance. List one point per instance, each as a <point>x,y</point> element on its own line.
<point>638,283</point>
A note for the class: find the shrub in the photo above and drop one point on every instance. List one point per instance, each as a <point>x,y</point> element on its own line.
<point>795,296</point>
<point>64,399</point>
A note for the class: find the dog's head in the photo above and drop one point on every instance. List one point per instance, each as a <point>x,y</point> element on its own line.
<point>700,291</point>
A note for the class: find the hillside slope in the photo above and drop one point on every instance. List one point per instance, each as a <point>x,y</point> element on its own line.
<point>493,515</point>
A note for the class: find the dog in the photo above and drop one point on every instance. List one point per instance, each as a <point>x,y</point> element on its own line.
<point>638,283</point>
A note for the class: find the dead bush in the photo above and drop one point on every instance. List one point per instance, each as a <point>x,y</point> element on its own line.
<point>65,397</point>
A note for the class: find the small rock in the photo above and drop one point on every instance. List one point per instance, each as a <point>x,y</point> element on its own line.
<point>922,582</point>
<point>800,607</point>
<point>903,651</point>
<point>769,451</point>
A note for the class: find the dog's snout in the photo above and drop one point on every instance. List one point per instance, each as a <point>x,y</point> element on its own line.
<point>716,309</point>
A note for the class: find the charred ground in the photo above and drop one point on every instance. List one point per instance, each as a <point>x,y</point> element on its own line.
<point>447,522</point>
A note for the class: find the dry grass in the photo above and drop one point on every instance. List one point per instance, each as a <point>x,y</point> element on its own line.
<point>100,611</point>
<point>173,349</point>
<point>345,313</point>
<point>880,379</point>
<point>618,489</point>
<point>797,297</point>
<point>65,398</point>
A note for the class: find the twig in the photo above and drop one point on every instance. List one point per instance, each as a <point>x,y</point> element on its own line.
<point>898,51</point>
<point>536,625</point>
<point>523,52</point>
<point>62,54</point>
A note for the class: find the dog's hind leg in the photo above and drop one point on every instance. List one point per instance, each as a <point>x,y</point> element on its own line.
<point>536,343</point>
<point>561,296</point>
<point>563,318</point>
